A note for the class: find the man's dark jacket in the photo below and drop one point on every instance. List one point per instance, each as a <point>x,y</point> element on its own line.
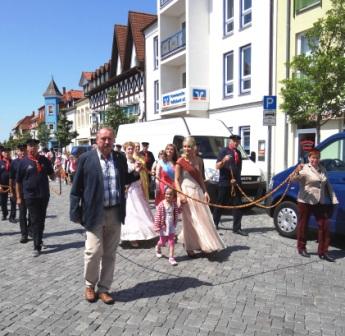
<point>87,193</point>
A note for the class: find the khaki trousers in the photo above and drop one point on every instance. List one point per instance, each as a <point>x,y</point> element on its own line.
<point>100,250</point>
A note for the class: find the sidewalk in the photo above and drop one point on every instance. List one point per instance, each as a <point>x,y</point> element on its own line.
<point>258,285</point>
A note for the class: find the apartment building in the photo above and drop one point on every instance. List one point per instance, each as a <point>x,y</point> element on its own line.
<point>294,18</point>
<point>211,58</point>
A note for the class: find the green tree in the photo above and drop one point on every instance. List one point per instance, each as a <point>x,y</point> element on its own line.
<point>114,115</point>
<point>64,133</point>
<point>315,92</point>
<point>43,134</point>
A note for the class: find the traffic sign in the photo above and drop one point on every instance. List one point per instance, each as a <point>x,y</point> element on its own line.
<point>270,107</point>
<point>270,102</point>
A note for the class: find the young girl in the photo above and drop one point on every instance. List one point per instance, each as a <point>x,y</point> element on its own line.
<point>165,223</point>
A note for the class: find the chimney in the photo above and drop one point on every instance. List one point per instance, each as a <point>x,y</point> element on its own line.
<point>63,90</point>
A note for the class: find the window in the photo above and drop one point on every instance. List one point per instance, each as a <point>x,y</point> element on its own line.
<point>246,13</point>
<point>301,5</point>
<point>156,97</point>
<point>155,52</point>
<point>333,156</point>
<point>228,74</point>
<point>304,44</point>
<point>246,69</point>
<point>50,110</point>
<point>131,110</point>
<point>245,135</point>
<point>228,16</point>
<point>184,80</point>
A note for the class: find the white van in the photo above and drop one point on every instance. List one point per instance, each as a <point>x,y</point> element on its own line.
<point>210,135</point>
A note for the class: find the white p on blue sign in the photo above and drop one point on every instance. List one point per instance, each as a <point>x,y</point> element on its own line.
<point>270,107</point>
<point>270,102</point>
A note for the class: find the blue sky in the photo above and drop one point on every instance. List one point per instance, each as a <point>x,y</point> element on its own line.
<point>42,38</point>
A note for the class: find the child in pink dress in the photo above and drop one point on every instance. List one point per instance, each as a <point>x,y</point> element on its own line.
<point>165,223</point>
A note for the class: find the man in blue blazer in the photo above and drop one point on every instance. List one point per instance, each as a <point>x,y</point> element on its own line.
<point>98,202</point>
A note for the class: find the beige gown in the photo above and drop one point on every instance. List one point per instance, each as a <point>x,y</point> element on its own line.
<point>199,232</point>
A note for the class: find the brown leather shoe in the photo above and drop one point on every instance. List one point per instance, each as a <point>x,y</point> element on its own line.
<point>106,298</point>
<point>90,294</point>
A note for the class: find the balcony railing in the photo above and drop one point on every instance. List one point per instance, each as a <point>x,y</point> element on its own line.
<point>173,43</point>
<point>164,2</point>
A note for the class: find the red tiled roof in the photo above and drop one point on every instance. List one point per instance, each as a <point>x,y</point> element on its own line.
<point>24,123</point>
<point>87,75</point>
<point>121,32</point>
<point>73,95</point>
<point>137,22</point>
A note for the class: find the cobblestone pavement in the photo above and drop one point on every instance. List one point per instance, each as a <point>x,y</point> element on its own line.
<point>257,286</point>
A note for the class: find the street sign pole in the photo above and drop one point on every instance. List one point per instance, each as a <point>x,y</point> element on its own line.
<point>269,120</point>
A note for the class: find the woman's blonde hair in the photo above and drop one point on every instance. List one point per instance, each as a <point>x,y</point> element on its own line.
<point>128,144</point>
<point>189,140</point>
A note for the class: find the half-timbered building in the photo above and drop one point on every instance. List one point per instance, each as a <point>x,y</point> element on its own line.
<point>124,73</point>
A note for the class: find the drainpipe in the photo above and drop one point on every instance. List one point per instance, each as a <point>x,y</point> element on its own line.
<point>287,75</point>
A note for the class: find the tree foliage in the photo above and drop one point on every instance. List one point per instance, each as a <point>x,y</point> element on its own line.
<point>43,134</point>
<point>114,115</point>
<point>64,133</point>
<point>20,138</point>
<point>316,90</point>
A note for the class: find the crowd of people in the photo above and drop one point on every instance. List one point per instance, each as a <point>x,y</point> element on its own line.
<point>110,198</point>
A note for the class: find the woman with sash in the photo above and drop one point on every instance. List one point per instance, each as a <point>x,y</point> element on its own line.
<point>143,174</point>
<point>199,232</point>
<point>165,171</point>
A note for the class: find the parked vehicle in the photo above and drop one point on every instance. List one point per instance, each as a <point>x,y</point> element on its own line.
<point>79,150</point>
<point>210,135</point>
<point>285,214</point>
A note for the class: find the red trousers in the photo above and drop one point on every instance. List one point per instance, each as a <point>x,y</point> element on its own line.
<point>322,213</point>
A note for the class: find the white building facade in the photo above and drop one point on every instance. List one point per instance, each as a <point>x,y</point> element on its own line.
<point>212,60</point>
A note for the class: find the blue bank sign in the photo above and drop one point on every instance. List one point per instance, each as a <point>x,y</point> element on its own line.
<point>199,94</point>
<point>174,99</point>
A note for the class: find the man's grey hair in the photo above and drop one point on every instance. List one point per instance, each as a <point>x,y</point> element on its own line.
<point>108,128</point>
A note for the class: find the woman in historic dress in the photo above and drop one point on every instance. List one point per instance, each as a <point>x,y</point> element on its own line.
<point>143,174</point>
<point>139,220</point>
<point>165,171</point>
<point>199,232</point>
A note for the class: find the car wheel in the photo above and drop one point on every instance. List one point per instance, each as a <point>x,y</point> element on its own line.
<point>285,219</point>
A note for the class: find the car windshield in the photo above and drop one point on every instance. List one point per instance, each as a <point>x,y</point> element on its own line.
<point>209,146</point>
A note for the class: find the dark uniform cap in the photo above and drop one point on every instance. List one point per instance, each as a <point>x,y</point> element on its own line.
<point>32,142</point>
<point>145,143</point>
<point>21,146</point>
<point>234,137</point>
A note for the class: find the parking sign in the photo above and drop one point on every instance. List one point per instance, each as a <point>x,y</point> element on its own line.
<point>270,107</point>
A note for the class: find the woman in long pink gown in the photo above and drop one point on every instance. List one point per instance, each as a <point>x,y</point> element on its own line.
<point>139,219</point>
<point>199,231</point>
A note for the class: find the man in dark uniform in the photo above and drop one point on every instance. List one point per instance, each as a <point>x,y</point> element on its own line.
<point>5,166</point>
<point>149,157</point>
<point>24,220</point>
<point>229,163</point>
<point>32,183</point>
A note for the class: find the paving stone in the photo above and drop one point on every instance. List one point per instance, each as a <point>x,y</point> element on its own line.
<point>257,286</point>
